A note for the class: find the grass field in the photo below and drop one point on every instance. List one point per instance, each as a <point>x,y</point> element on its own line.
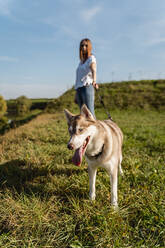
<point>44,198</point>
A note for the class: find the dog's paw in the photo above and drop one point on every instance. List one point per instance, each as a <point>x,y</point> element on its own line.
<point>115,208</point>
<point>92,197</point>
<point>121,173</point>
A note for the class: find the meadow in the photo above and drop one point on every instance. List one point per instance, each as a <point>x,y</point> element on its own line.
<point>44,197</point>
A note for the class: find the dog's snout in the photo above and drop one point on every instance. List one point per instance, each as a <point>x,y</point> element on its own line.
<point>70,146</point>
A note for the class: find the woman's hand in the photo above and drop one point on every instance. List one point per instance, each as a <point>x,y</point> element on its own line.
<point>95,85</point>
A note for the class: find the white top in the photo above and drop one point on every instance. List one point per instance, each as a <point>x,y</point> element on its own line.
<point>84,73</point>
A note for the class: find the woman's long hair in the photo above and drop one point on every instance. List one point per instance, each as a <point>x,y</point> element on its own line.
<point>89,50</point>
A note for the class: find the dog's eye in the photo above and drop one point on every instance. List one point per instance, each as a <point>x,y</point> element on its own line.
<point>80,130</point>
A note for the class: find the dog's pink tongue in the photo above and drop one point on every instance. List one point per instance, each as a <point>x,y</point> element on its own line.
<point>77,157</point>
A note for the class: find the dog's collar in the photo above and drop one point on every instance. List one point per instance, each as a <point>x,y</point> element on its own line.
<point>97,155</point>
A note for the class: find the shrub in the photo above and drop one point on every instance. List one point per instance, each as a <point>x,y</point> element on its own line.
<point>4,124</point>
<point>23,105</point>
<point>3,107</point>
<point>53,106</point>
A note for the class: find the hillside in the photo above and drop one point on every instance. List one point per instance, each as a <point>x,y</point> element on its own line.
<point>147,94</point>
<point>144,94</point>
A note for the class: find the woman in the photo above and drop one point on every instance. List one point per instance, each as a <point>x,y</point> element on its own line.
<point>86,76</point>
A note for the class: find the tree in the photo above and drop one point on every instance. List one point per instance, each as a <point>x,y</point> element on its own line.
<point>23,105</point>
<point>3,107</point>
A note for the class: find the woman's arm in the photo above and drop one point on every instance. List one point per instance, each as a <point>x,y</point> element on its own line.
<point>93,69</point>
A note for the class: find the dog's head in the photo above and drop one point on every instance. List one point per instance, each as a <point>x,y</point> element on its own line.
<point>81,129</point>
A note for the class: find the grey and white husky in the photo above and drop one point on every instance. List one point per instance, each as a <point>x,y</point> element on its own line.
<point>100,142</point>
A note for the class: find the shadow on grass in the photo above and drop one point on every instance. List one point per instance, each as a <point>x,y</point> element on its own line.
<point>16,174</point>
<point>21,176</point>
<point>73,183</point>
<point>68,171</point>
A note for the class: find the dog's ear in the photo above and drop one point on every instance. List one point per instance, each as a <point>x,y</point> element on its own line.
<point>68,115</point>
<point>86,113</point>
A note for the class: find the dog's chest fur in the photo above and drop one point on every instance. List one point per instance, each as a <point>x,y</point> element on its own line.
<point>102,146</point>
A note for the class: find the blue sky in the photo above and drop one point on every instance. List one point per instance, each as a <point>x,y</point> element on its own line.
<point>39,42</point>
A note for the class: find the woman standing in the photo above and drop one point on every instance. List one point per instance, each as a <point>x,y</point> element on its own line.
<point>86,76</point>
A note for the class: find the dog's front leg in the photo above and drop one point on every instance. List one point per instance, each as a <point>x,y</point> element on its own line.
<point>114,181</point>
<point>112,172</point>
<point>92,180</point>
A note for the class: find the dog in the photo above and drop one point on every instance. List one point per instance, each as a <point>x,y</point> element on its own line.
<point>100,142</point>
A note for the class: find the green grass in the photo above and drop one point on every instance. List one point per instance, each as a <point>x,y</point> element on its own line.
<point>44,198</point>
